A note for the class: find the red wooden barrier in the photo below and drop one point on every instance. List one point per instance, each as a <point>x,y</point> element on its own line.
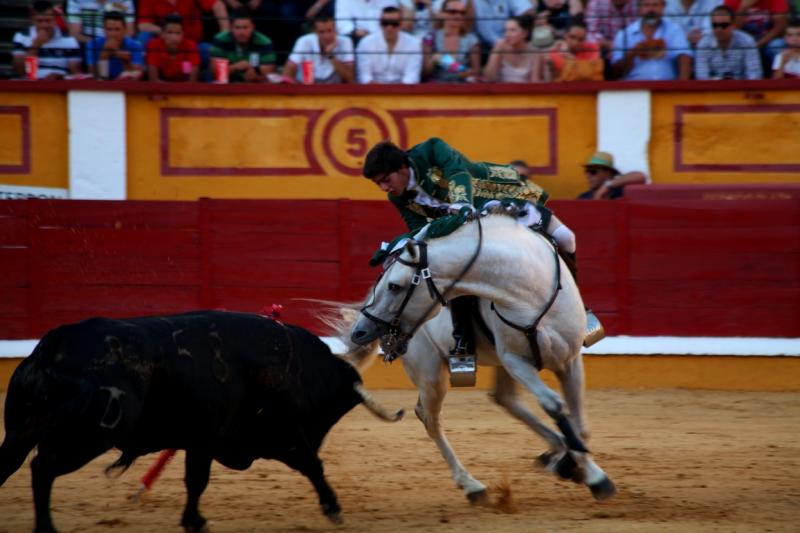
<point>647,266</point>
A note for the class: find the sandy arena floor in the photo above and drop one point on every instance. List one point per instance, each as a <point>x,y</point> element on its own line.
<point>683,461</point>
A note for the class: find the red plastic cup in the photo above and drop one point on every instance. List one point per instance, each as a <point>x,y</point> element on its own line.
<point>308,72</point>
<point>220,69</point>
<point>31,67</point>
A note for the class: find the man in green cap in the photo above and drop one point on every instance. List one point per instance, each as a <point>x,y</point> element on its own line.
<point>605,181</point>
<point>433,179</point>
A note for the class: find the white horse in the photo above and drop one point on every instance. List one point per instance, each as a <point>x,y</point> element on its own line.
<point>516,275</point>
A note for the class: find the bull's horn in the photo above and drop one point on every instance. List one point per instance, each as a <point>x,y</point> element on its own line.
<point>376,408</point>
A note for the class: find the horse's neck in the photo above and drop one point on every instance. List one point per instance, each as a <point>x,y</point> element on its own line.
<point>502,270</point>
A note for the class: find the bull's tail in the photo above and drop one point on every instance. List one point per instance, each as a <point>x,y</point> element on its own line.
<point>376,408</point>
<point>339,318</point>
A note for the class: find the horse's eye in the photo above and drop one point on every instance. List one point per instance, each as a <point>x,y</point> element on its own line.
<point>394,287</point>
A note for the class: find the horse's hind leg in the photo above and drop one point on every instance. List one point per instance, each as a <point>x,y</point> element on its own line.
<point>594,477</point>
<point>506,396</point>
<point>572,384</point>
<point>432,385</point>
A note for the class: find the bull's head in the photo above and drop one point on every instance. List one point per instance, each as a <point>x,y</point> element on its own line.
<point>395,308</point>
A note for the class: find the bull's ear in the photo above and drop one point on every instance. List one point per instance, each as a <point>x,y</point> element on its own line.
<point>411,248</point>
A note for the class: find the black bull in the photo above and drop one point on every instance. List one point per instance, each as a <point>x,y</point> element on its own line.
<point>226,386</point>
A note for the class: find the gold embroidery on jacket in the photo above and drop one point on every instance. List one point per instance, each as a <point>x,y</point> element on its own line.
<point>505,173</point>
<point>436,176</point>
<point>498,191</point>
<point>417,209</point>
<point>458,193</point>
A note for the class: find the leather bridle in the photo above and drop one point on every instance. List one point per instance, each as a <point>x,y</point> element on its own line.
<point>395,342</point>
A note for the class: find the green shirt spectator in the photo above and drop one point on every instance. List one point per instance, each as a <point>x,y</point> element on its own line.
<point>250,53</point>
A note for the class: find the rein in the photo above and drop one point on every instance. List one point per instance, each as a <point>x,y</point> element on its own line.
<point>531,331</point>
<point>395,342</point>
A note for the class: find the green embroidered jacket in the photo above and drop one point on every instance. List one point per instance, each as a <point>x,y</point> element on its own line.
<point>449,176</point>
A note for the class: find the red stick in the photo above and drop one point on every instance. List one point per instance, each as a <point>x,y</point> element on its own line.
<point>152,474</point>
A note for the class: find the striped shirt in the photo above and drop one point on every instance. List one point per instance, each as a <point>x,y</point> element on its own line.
<point>740,61</point>
<point>603,20</point>
<point>89,14</point>
<point>55,55</point>
<point>259,51</point>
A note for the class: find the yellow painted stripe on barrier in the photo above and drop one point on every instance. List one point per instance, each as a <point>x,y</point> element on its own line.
<point>618,372</point>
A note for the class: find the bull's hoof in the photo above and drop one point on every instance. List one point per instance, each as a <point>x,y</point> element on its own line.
<point>333,512</point>
<point>479,497</point>
<point>196,525</point>
<point>336,518</point>
<point>604,489</point>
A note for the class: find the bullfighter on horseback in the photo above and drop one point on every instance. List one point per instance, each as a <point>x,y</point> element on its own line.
<point>433,179</point>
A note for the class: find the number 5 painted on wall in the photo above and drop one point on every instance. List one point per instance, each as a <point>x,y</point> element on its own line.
<point>356,137</point>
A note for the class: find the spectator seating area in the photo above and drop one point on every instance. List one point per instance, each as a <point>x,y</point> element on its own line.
<point>402,41</point>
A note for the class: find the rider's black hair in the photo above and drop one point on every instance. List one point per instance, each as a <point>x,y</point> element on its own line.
<point>384,158</point>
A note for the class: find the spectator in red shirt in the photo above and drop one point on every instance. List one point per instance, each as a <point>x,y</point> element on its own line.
<point>172,57</point>
<point>765,21</point>
<point>152,12</point>
<point>575,58</point>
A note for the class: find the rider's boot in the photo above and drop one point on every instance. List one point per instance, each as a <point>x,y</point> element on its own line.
<point>461,359</point>
<point>594,329</point>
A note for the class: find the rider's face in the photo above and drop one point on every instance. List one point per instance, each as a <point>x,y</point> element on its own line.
<point>394,182</point>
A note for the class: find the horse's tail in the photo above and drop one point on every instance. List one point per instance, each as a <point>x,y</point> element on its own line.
<point>339,318</point>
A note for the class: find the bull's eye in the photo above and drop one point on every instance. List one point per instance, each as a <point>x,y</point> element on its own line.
<point>394,287</point>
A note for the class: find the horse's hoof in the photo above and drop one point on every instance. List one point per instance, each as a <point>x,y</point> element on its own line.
<point>480,497</point>
<point>603,490</point>
<point>545,460</point>
<point>566,467</point>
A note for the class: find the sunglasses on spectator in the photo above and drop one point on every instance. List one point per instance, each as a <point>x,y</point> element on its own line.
<point>721,25</point>
<point>393,23</point>
<point>455,11</point>
<point>593,171</point>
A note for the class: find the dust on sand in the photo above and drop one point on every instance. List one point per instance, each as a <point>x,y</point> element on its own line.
<point>682,461</point>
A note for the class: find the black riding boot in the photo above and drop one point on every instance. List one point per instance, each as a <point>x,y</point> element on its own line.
<point>461,311</point>
<point>594,329</point>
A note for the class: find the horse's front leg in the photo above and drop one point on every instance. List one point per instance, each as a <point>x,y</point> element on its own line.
<point>594,477</point>
<point>431,380</point>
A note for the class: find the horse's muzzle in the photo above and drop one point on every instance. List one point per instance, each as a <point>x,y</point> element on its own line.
<point>362,335</point>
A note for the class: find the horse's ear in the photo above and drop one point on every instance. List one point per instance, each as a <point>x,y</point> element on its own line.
<point>411,248</point>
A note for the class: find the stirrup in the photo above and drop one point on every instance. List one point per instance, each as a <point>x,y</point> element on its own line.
<point>594,329</point>
<point>463,370</point>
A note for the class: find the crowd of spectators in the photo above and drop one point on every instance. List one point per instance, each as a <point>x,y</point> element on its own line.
<point>405,41</point>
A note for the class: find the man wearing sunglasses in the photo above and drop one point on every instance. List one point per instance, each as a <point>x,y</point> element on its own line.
<point>391,56</point>
<point>359,18</point>
<point>726,53</point>
<point>605,181</point>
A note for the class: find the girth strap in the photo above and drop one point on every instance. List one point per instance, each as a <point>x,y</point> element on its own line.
<point>531,332</point>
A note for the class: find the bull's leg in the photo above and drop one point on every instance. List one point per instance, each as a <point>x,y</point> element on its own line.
<point>594,477</point>
<point>198,471</point>
<point>306,461</point>
<point>428,372</point>
<point>60,454</point>
<point>12,454</point>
